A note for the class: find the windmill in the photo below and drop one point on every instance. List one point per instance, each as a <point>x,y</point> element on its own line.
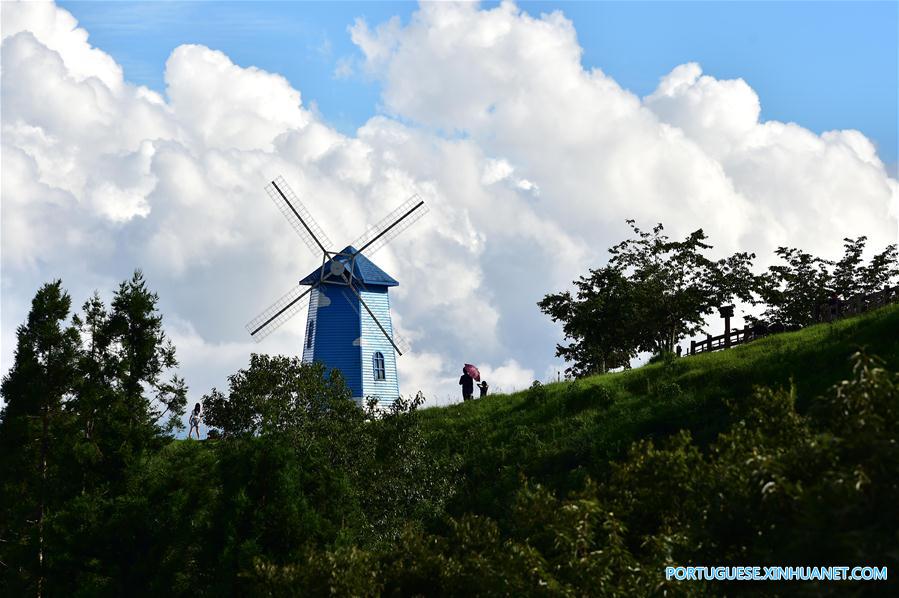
<point>359,342</point>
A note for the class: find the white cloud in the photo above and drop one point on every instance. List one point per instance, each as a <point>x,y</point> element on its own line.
<point>424,370</point>
<point>59,31</point>
<point>718,114</point>
<point>508,377</point>
<point>344,68</point>
<point>693,153</point>
<point>495,171</point>
<point>101,176</point>
<point>225,106</point>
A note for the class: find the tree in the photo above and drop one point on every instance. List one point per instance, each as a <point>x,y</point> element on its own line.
<point>373,460</point>
<point>116,410</point>
<point>881,271</point>
<point>602,318</point>
<point>281,395</point>
<point>848,275</point>
<point>122,398</point>
<point>283,400</point>
<point>34,433</point>
<point>677,285</point>
<point>652,293</point>
<point>794,292</point>
<point>403,482</point>
<point>142,353</point>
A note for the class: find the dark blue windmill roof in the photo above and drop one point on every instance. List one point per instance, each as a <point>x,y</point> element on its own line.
<point>364,270</point>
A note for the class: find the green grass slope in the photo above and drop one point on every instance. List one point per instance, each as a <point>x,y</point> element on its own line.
<point>562,432</point>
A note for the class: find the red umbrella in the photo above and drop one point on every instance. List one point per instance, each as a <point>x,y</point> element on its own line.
<point>472,371</point>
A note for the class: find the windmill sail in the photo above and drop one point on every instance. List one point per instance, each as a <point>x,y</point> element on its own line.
<point>298,215</point>
<point>279,312</point>
<point>395,339</point>
<point>392,225</point>
<point>315,238</point>
<point>391,339</point>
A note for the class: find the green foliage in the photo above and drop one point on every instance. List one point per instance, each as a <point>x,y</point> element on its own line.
<point>123,405</point>
<point>664,357</point>
<point>777,486</point>
<point>278,395</point>
<point>794,291</point>
<point>35,431</point>
<point>403,479</point>
<point>580,426</point>
<point>139,354</point>
<point>601,320</point>
<point>537,393</point>
<point>380,456</point>
<point>83,407</point>
<point>677,284</point>
<point>581,488</point>
<point>652,293</point>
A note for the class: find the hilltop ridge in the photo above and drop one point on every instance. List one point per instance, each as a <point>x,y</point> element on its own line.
<point>562,432</point>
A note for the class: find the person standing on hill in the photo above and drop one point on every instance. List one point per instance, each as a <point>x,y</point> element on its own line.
<point>195,418</point>
<point>467,383</point>
<point>483,387</point>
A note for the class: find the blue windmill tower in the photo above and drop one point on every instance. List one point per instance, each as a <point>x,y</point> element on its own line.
<point>348,326</point>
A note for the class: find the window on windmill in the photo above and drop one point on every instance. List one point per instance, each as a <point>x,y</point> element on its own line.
<point>377,361</point>
<point>309,333</point>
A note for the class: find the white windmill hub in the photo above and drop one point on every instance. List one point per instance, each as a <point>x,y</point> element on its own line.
<point>336,268</point>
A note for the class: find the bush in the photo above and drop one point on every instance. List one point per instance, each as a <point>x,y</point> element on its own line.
<point>777,487</point>
<point>663,357</point>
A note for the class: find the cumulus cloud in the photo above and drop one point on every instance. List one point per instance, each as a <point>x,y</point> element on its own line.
<point>692,153</point>
<point>508,377</point>
<point>59,31</point>
<point>717,114</point>
<point>101,176</point>
<point>225,106</point>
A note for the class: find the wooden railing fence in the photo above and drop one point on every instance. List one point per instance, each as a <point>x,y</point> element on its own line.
<point>836,308</point>
<point>827,312</point>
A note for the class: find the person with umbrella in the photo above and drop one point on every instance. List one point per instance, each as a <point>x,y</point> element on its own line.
<point>469,374</point>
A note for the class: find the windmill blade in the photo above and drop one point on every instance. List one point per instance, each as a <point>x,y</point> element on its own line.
<point>390,339</point>
<point>392,225</point>
<point>398,341</point>
<point>279,312</point>
<point>298,215</point>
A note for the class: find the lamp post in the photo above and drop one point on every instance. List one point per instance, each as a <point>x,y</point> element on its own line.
<point>727,312</point>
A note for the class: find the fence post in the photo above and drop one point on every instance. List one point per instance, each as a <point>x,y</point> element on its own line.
<point>692,347</point>
<point>727,312</point>
<point>708,340</point>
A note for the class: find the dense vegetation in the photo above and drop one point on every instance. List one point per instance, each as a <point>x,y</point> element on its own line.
<point>654,292</point>
<point>782,451</point>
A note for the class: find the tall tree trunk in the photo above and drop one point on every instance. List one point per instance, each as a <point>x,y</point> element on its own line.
<point>45,424</point>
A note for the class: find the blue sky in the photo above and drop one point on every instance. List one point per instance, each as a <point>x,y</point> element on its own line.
<point>823,65</point>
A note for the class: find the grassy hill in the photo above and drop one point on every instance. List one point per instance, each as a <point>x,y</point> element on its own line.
<point>491,497</point>
<point>488,497</point>
<point>560,433</point>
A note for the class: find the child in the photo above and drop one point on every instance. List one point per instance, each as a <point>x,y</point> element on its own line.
<point>483,387</point>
